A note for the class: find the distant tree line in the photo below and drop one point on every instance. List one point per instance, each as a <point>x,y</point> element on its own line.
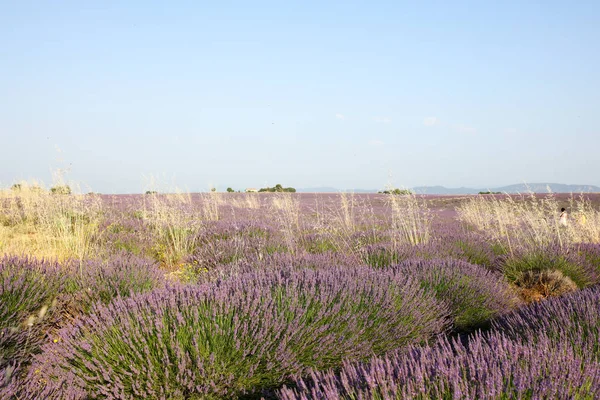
<point>395,191</point>
<point>278,188</point>
<point>488,192</point>
<point>60,189</point>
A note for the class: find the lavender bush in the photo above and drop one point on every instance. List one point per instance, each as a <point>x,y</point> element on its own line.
<point>590,253</point>
<point>573,318</point>
<point>234,337</point>
<point>26,285</point>
<point>473,294</point>
<point>121,275</point>
<point>28,289</point>
<point>490,367</point>
<point>232,243</point>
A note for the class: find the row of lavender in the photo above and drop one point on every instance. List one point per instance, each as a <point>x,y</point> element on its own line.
<point>244,334</point>
<point>548,350</point>
<point>251,333</point>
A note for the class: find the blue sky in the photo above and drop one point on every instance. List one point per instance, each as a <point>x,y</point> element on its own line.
<point>306,94</point>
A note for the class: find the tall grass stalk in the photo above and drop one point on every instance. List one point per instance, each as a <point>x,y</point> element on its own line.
<point>338,220</point>
<point>245,201</point>
<point>530,222</point>
<point>38,222</point>
<point>286,209</point>
<point>210,206</point>
<point>174,223</point>
<point>410,219</point>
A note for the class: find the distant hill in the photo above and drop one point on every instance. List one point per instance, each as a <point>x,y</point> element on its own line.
<point>543,188</point>
<point>518,188</point>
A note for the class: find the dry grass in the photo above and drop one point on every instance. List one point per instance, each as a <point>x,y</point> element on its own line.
<point>40,223</point>
<point>538,285</point>
<point>210,206</point>
<point>285,208</point>
<point>174,223</point>
<point>411,219</point>
<point>244,200</point>
<point>531,222</point>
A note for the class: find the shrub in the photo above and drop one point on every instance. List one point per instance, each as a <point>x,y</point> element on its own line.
<point>63,189</point>
<point>278,188</point>
<point>26,285</point>
<point>473,294</point>
<point>491,367</point>
<point>273,261</point>
<point>102,281</point>
<point>548,259</point>
<point>574,318</point>
<point>396,191</point>
<point>235,337</point>
<point>590,253</point>
<point>474,250</point>
<point>380,255</point>
<point>537,285</point>
<point>28,289</point>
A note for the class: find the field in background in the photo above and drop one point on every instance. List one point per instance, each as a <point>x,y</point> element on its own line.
<point>186,279</point>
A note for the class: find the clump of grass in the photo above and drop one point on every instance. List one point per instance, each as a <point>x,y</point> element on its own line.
<point>411,219</point>
<point>174,225</point>
<point>285,208</point>
<point>549,259</point>
<point>537,285</point>
<point>245,201</point>
<point>210,206</point>
<point>44,224</point>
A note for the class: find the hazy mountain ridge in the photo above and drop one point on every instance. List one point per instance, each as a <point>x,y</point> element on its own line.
<point>517,188</point>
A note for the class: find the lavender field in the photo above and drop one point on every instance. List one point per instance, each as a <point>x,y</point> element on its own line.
<point>298,296</point>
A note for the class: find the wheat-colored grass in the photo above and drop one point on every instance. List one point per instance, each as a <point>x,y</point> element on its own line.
<point>285,207</point>
<point>529,222</point>
<point>48,225</point>
<point>410,219</point>
<point>243,200</point>
<point>174,224</point>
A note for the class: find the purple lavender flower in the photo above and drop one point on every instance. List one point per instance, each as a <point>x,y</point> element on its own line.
<point>236,336</point>
<point>489,367</point>
<point>475,295</point>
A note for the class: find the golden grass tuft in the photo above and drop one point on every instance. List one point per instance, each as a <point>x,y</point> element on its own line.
<point>411,219</point>
<point>538,285</point>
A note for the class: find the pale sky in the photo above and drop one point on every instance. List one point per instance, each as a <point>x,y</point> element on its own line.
<point>306,94</point>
